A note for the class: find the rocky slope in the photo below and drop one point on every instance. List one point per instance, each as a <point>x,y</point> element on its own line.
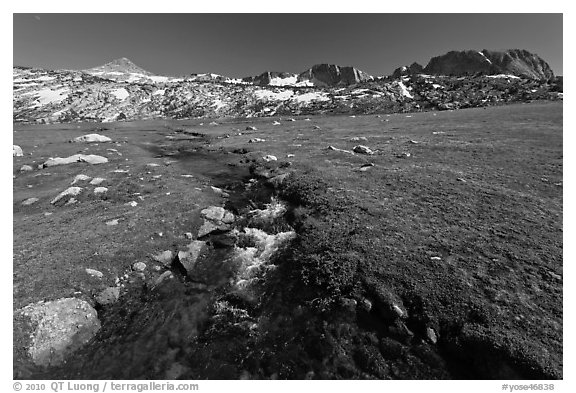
<point>513,62</point>
<point>122,91</point>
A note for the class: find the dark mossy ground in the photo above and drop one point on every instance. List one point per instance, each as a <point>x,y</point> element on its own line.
<point>463,238</point>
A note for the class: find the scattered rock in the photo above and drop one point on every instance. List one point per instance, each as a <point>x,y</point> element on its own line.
<point>307,119</point>
<point>461,179</point>
<point>29,201</point>
<point>79,178</point>
<point>412,141</point>
<point>362,150</point>
<point>132,203</point>
<point>220,191</point>
<point>108,296</point>
<point>91,138</point>
<point>207,228</point>
<point>269,158</point>
<point>165,258</point>
<point>276,123</point>
<point>251,128</point>
<point>358,139</point>
<point>69,192</point>
<point>97,181</point>
<point>340,150</point>
<point>26,168</point>
<point>60,327</point>
<point>437,132</point>
<point>365,305</point>
<point>17,151</point>
<point>139,266</point>
<point>431,334</point>
<point>403,155</point>
<point>256,140</point>
<point>217,214</point>
<point>188,235</point>
<point>213,123</point>
<point>316,127</point>
<point>153,165</point>
<point>100,190</point>
<point>164,276</point>
<point>189,257</point>
<point>95,273</point>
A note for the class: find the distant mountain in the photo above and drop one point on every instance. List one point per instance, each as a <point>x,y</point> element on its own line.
<point>124,70</point>
<point>273,79</point>
<point>330,75</point>
<point>412,69</point>
<point>122,65</point>
<point>320,75</point>
<point>512,62</point>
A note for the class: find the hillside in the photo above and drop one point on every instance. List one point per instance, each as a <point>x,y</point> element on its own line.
<point>105,95</point>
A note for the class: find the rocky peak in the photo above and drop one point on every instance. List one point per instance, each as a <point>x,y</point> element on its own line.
<point>412,69</point>
<point>123,65</point>
<point>328,75</point>
<point>514,61</point>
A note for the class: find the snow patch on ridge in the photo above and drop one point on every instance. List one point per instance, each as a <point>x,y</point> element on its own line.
<point>121,93</point>
<point>484,56</point>
<point>314,96</point>
<point>273,96</point>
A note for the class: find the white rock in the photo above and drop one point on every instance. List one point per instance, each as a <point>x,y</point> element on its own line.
<point>100,190</point>
<point>71,191</point>
<point>358,139</point>
<point>132,203</point>
<point>165,257</point>
<point>29,201</point>
<point>256,140</point>
<point>95,273</point>
<point>79,178</point>
<point>362,150</point>
<point>340,150</point>
<point>269,158</point>
<point>97,181</point>
<point>112,222</point>
<point>90,158</point>
<point>139,266</point>
<point>251,128</point>
<point>26,168</point>
<point>91,138</point>
<point>289,155</point>
<point>17,151</point>
<point>276,123</point>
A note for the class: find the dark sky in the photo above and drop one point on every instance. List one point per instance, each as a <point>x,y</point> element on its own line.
<point>238,45</point>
